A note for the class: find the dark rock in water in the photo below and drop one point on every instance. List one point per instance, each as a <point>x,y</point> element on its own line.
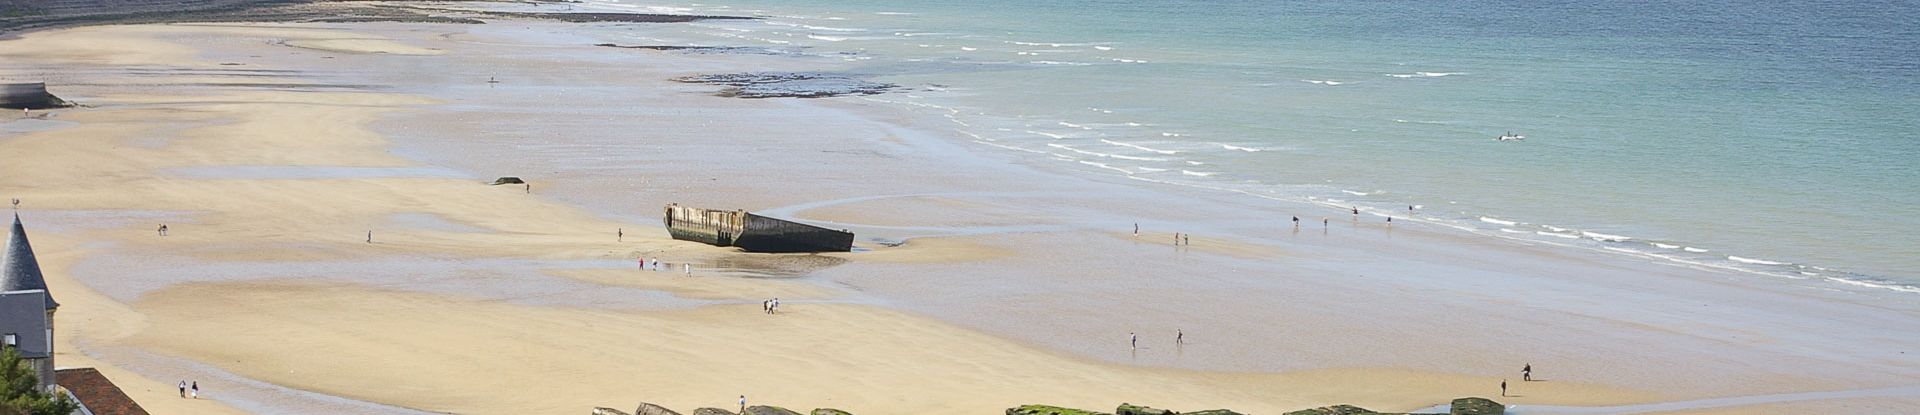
<point>651,409</point>
<point>789,84</point>
<point>829,411</point>
<point>614,17</point>
<point>508,180</point>
<point>712,411</point>
<point>1476,406</point>
<point>1130,409</point>
<point>607,411</point>
<point>1049,410</point>
<point>1335,410</point>
<point>697,49</point>
<point>768,410</point>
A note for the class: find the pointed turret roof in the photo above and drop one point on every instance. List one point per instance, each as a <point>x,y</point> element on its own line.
<point>18,269</point>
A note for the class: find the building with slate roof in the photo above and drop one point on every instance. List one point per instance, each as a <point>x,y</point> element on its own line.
<point>26,308</point>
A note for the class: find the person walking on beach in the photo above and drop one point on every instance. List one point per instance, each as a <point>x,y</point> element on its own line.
<point>196,389</point>
<point>1389,221</point>
<point>776,305</point>
<point>743,404</point>
<point>529,188</point>
<point>1136,229</point>
<point>1133,340</point>
<point>369,236</point>
<point>1503,387</point>
<point>1526,373</point>
<point>162,231</point>
<point>183,388</point>
<point>766,306</point>
<point>1356,213</point>
<point>1179,337</point>
<point>688,268</point>
<point>619,234</point>
<point>1296,222</point>
<point>1186,240</point>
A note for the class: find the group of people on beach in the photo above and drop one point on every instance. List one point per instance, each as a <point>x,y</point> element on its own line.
<point>1179,338</point>
<point>163,229</point>
<point>190,391</point>
<point>1526,375</point>
<point>770,306</point>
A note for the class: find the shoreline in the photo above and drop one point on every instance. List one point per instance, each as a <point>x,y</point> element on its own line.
<point>552,244</point>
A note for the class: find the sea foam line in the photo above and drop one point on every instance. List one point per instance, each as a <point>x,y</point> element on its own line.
<point>1139,147</point>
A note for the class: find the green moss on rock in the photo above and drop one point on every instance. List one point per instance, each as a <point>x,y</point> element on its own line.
<point>829,411</point>
<point>1476,406</point>
<point>1049,410</point>
<point>1335,410</point>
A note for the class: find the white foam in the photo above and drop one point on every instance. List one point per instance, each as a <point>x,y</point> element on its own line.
<point>1198,173</point>
<point>1139,147</point>
<point>969,49</point>
<point>1753,261</point>
<point>826,38</point>
<point>1234,147</point>
<point>1320,82</point>
<point>1061,63</point>
<point>1559,235</point>
<point>1619,249</point>
<point>1512,230</point>
<point>1072,125</point>
<point>1692,249</point>
<point>1665,246</point>
<point>1551,227</point>
<point>1353,192</point>
<point>1172,135</point>
<point>1046,134</point>
<point>1901,288</point>
<point>1439,74</point>
<point>1122,60</point>
<point>893,13</point>
<point>1103,47</point>
<point>1196,163</point>
<point>1105,166</point>
<point>1604,237</point>
<point>1151,170</point>
<point>1498,221</point>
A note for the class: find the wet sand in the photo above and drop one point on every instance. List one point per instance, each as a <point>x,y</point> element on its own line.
<point>1016,284</point>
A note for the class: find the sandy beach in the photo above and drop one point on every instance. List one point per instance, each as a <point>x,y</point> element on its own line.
<point>334,247</point>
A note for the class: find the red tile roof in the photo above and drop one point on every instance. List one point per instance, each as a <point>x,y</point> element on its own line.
<point>97,392</point>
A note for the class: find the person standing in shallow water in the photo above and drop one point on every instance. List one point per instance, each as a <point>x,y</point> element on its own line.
<point>1526,373</point>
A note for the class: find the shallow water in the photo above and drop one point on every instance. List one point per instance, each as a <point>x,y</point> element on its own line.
<point>1773,138</point>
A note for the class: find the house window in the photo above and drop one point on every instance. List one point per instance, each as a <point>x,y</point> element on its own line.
<point>13,340</point>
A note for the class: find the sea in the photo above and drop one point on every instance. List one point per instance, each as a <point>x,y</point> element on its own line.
<point>1772,138</point>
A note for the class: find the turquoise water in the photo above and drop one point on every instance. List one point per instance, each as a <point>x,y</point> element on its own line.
<point>1774,138</point>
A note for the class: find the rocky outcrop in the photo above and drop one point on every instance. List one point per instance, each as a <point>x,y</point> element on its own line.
<point>788,84</point>
<point>1462,406</point>
<point>1049,410</point>
<point>651,409</point>
<point>768,410</point>
<point>1130,409</point>
<point>1476,406</point>
<point>1335,410</point>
